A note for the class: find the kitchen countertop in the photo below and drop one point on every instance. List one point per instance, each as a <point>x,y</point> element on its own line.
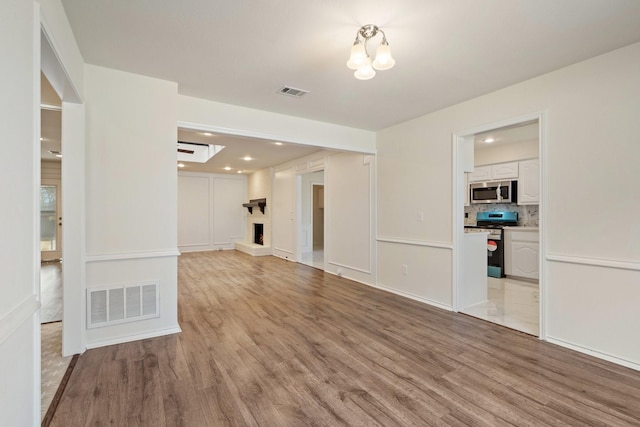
<point>521,228</point>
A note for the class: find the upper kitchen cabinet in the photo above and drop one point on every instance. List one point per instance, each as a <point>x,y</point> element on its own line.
<point>494,172</point>
<point>529,182</point>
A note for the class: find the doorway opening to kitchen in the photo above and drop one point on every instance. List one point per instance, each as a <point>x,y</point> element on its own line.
<point>498,224</point>
<point>311,213</point>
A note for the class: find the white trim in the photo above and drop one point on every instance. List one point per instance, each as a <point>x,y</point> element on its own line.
<point>264,135</point>
<point>595,262</point>
<point>188,245</point>
<point>594,353</point>
<point>19,315</point>
<point>283,251</point>
<point>349,267</point>
<point>129,338</point>
<point>132,255</point>
<point>413,297</point>
<point>424,243</point>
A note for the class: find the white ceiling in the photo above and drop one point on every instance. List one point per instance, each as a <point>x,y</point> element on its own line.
<point>263,153</point>
<point>447,51</point>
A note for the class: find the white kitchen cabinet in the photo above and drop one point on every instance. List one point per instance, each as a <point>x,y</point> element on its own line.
<point>504,170</point>
<point>495,172</point>
<point>521,253</point>
<point>480,173</point>
<point>529,182</point>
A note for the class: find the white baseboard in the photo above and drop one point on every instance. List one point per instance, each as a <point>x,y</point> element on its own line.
<point>599,355</point>
<point>407,295</point>
<point>120,340</point>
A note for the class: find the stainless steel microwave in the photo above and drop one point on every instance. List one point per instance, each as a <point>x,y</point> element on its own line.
<point>494,192</point>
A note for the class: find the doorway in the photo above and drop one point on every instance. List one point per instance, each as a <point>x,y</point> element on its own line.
<point>311,213</point>
<point>510,292</point>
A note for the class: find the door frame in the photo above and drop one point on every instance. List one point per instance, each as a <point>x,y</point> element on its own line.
<point>459,160</point>
<point>298,207</point>
<point>53,65</point>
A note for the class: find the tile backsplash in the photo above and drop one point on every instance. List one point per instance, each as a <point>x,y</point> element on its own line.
<point>527,214</point>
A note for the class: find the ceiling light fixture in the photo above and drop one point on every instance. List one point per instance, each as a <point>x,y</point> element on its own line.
<point>227,168</point>
<point>278,143</point>
<point>180,165</point>
<point>489,140</point>
<point>360,60</point>
<point>247,158</point>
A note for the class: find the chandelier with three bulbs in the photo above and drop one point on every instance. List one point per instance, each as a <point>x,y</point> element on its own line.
<point>360,59</point>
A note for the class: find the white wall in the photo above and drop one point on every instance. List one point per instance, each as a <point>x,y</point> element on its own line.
<point>231,119</point>
<point>349,211</point>
<point>210,212</point>
<point>591,148</point>
<point>131,193</point>
<point>350,216</point>
<point>259,187</point>
<point>50,169</point>
<point>19,256</point>
<point>506,153</point>
<point>283,218</point>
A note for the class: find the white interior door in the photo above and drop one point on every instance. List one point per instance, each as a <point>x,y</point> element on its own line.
<point>50,220</point>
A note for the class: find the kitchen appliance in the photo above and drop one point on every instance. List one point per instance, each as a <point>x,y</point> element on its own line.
<point>494,223</point>
<point>494,192</point>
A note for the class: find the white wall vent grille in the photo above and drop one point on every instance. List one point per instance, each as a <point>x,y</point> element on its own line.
<point>123,303</point>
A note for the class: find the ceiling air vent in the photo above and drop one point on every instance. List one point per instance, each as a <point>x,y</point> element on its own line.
<point>292,91</point>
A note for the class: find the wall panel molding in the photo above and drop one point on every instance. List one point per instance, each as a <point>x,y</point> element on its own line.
<point>594,262</point>
<point>425,243</point>
<point>19,315</point>
<point>132,255</point>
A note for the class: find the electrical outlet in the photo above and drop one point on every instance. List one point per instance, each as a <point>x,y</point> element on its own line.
<point>405,269</point>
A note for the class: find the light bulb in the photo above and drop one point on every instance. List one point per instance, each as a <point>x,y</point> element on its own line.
<point>365,71</point>
<point>358,55</point>
<point>383,60</point>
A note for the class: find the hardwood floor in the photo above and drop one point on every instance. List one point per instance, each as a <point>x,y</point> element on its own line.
<point>272,343</point>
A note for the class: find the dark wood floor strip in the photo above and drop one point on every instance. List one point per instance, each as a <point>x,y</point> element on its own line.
<point>267,342</point>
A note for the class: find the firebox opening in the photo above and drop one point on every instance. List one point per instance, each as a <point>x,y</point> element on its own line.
<point>258,234</point>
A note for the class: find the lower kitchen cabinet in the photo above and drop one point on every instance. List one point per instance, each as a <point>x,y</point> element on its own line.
<point>521,253</point>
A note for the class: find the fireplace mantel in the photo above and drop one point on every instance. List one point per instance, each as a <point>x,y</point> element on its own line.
<point>260,203</point>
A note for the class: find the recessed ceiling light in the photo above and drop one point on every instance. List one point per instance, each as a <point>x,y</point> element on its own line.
<point>279,143</point>
<point>239,171</point>
<point>41,139</point>
<point>207,134</point>
<point>227,168</point>
<point>247,158</point>
<point>180,165</point>
<point>488,140</point>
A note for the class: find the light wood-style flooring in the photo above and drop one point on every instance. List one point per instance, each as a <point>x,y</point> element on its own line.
<point>267,342</point>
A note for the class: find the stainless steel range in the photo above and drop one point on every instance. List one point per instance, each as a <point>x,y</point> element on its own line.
<point>494,223</point>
